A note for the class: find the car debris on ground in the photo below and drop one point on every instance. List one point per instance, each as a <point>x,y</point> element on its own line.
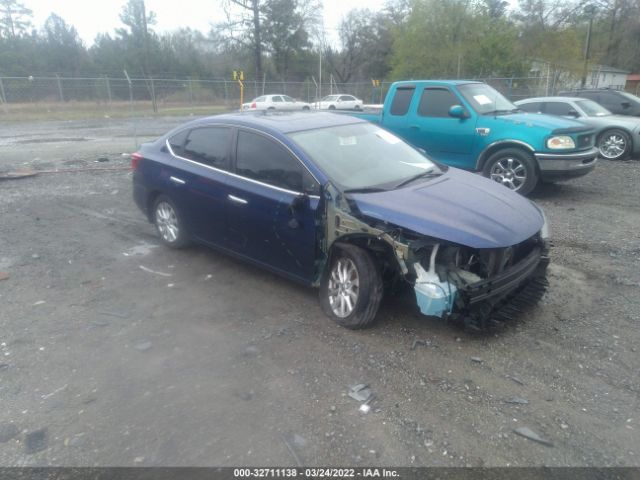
<point>531,435</point>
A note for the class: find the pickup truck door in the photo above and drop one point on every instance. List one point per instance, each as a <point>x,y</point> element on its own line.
<point>445,138</point>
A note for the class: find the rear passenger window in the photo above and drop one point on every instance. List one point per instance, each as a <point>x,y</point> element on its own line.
<point>557,108</point>
<point>208,146</point>
<point>534,107</point>
<point>436,102</point>
<point>265,160</point>
<point>177,142</point>
<point>402,100</point>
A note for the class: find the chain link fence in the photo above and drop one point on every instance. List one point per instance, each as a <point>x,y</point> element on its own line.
<point>55,96</point>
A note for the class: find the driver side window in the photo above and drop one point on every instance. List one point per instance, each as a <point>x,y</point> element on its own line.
<point>264,160</point>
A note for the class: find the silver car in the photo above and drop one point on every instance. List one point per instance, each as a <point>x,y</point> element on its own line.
<point>617,136</point>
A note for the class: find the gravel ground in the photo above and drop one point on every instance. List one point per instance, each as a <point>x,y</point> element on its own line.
<point>214,362</point>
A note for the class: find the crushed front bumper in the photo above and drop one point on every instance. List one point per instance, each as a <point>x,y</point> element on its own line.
<point>493,301</point>
<point>562,166</point>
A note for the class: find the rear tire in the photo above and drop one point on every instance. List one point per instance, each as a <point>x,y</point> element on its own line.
<point>169,224</point>
<point>305,108</point>
<point>614,144</point>
<point>513,168</point>
<point>351,288</point>
<point>332,107</point>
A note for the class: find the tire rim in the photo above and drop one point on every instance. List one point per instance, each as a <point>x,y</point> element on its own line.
<point>613,146</point>
<point>167,222</point>
<point>510,172</point>
<point>344,287</point>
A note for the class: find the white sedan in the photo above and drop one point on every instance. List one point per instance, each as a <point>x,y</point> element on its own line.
<point>339,102</point>
<point>275,102</point>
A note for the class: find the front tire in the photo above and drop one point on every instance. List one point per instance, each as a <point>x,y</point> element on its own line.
<point>169,224</point>
<point>332,107</point>
<point>513,168</point>
<point>305,108</point>
<point>614,144</point>
<point>351,288</point>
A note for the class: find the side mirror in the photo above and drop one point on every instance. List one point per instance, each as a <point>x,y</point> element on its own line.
<point>573,113</point>
<point>339,100</point>
<point>457,111</point>
<point>625,105</point>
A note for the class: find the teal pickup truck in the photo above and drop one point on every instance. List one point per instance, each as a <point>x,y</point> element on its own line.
<point>472,126</point>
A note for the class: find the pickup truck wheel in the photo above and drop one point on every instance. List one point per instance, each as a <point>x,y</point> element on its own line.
<point>513,168</point>
<point>169,223</point>
<point>614,144</point>
<point>351,288</point>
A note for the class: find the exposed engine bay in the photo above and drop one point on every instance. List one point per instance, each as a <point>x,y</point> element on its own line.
<point>476,287</point>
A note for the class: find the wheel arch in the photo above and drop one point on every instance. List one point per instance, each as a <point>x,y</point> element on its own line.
<point>151,200</point>
<point>622,129</point>
<point>381,251</point>
<point>501,145</point>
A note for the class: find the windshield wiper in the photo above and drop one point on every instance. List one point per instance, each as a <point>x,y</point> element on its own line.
<point>427,174</point>
<point>365,190</point>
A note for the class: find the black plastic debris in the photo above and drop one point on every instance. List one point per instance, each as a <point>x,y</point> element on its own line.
<point>531,435</point>
<point>36,441</point>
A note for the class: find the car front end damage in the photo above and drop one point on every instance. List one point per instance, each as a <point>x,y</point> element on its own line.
<point>479,288</point>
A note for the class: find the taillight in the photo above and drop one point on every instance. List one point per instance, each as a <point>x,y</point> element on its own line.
<point>253,105</point>
<point>136,158</point>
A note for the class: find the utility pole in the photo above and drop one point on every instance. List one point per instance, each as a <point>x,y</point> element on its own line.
<point>590,11</point>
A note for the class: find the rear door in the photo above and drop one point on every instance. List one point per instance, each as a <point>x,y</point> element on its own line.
<point>273,203</point>
<point>198,181</point>
<point>396,118</point>
<point>442,136</point>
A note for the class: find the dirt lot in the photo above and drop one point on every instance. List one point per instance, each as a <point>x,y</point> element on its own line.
<point>213,362</point>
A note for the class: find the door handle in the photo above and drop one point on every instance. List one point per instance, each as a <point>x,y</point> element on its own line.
<point>414,127</point>
<point>177,180</point>
<point>235,199</point>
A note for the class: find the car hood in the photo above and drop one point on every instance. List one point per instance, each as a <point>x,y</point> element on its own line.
<point>548,122</point>
<point>458,207</point>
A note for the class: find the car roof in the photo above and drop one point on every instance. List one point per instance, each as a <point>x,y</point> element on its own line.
<point>551,99</point>
<point>283,122</point>
<point>442,82</point>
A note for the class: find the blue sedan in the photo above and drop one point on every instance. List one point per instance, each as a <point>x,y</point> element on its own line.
<point>340,204</point>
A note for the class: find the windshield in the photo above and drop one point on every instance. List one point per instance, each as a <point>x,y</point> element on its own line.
<point>592,109</point>
<point>631,97</point>
<point>330,98</point>
<point>363,156</point>
<point>485,99</point>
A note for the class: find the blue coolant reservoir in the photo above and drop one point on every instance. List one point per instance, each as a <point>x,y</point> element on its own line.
<point>434,297</point>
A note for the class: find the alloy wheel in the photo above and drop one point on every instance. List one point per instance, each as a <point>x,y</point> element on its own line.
<point>510,172</point>
<point>344,287</point>
<point>167,222</point>
<point>613,146</point>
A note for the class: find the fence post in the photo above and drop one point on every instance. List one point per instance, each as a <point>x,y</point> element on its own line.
<point>3,97</point>
<point>108,85</point>
<point>190,91</point>
<point>60,88</point>
<point>154,104</point>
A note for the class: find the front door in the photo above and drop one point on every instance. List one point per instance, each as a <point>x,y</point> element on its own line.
<point>444,137</point>
<point>272,205</point>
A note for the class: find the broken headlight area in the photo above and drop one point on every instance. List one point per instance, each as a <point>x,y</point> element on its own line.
<point>478,287</point>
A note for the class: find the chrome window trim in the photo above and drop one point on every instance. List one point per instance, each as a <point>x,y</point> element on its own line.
<point>241,177</point>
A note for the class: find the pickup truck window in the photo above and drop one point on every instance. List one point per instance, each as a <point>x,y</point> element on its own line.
<point>485,99</point>
<point>436,102</point>
<point>402,100</point>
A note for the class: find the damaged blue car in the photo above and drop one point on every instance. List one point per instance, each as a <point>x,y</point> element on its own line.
<point>340,204</point>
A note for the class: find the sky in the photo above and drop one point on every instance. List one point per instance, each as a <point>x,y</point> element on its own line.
<point>91,17</point>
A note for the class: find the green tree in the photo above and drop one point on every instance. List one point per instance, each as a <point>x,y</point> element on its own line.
<point>15,19</point>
